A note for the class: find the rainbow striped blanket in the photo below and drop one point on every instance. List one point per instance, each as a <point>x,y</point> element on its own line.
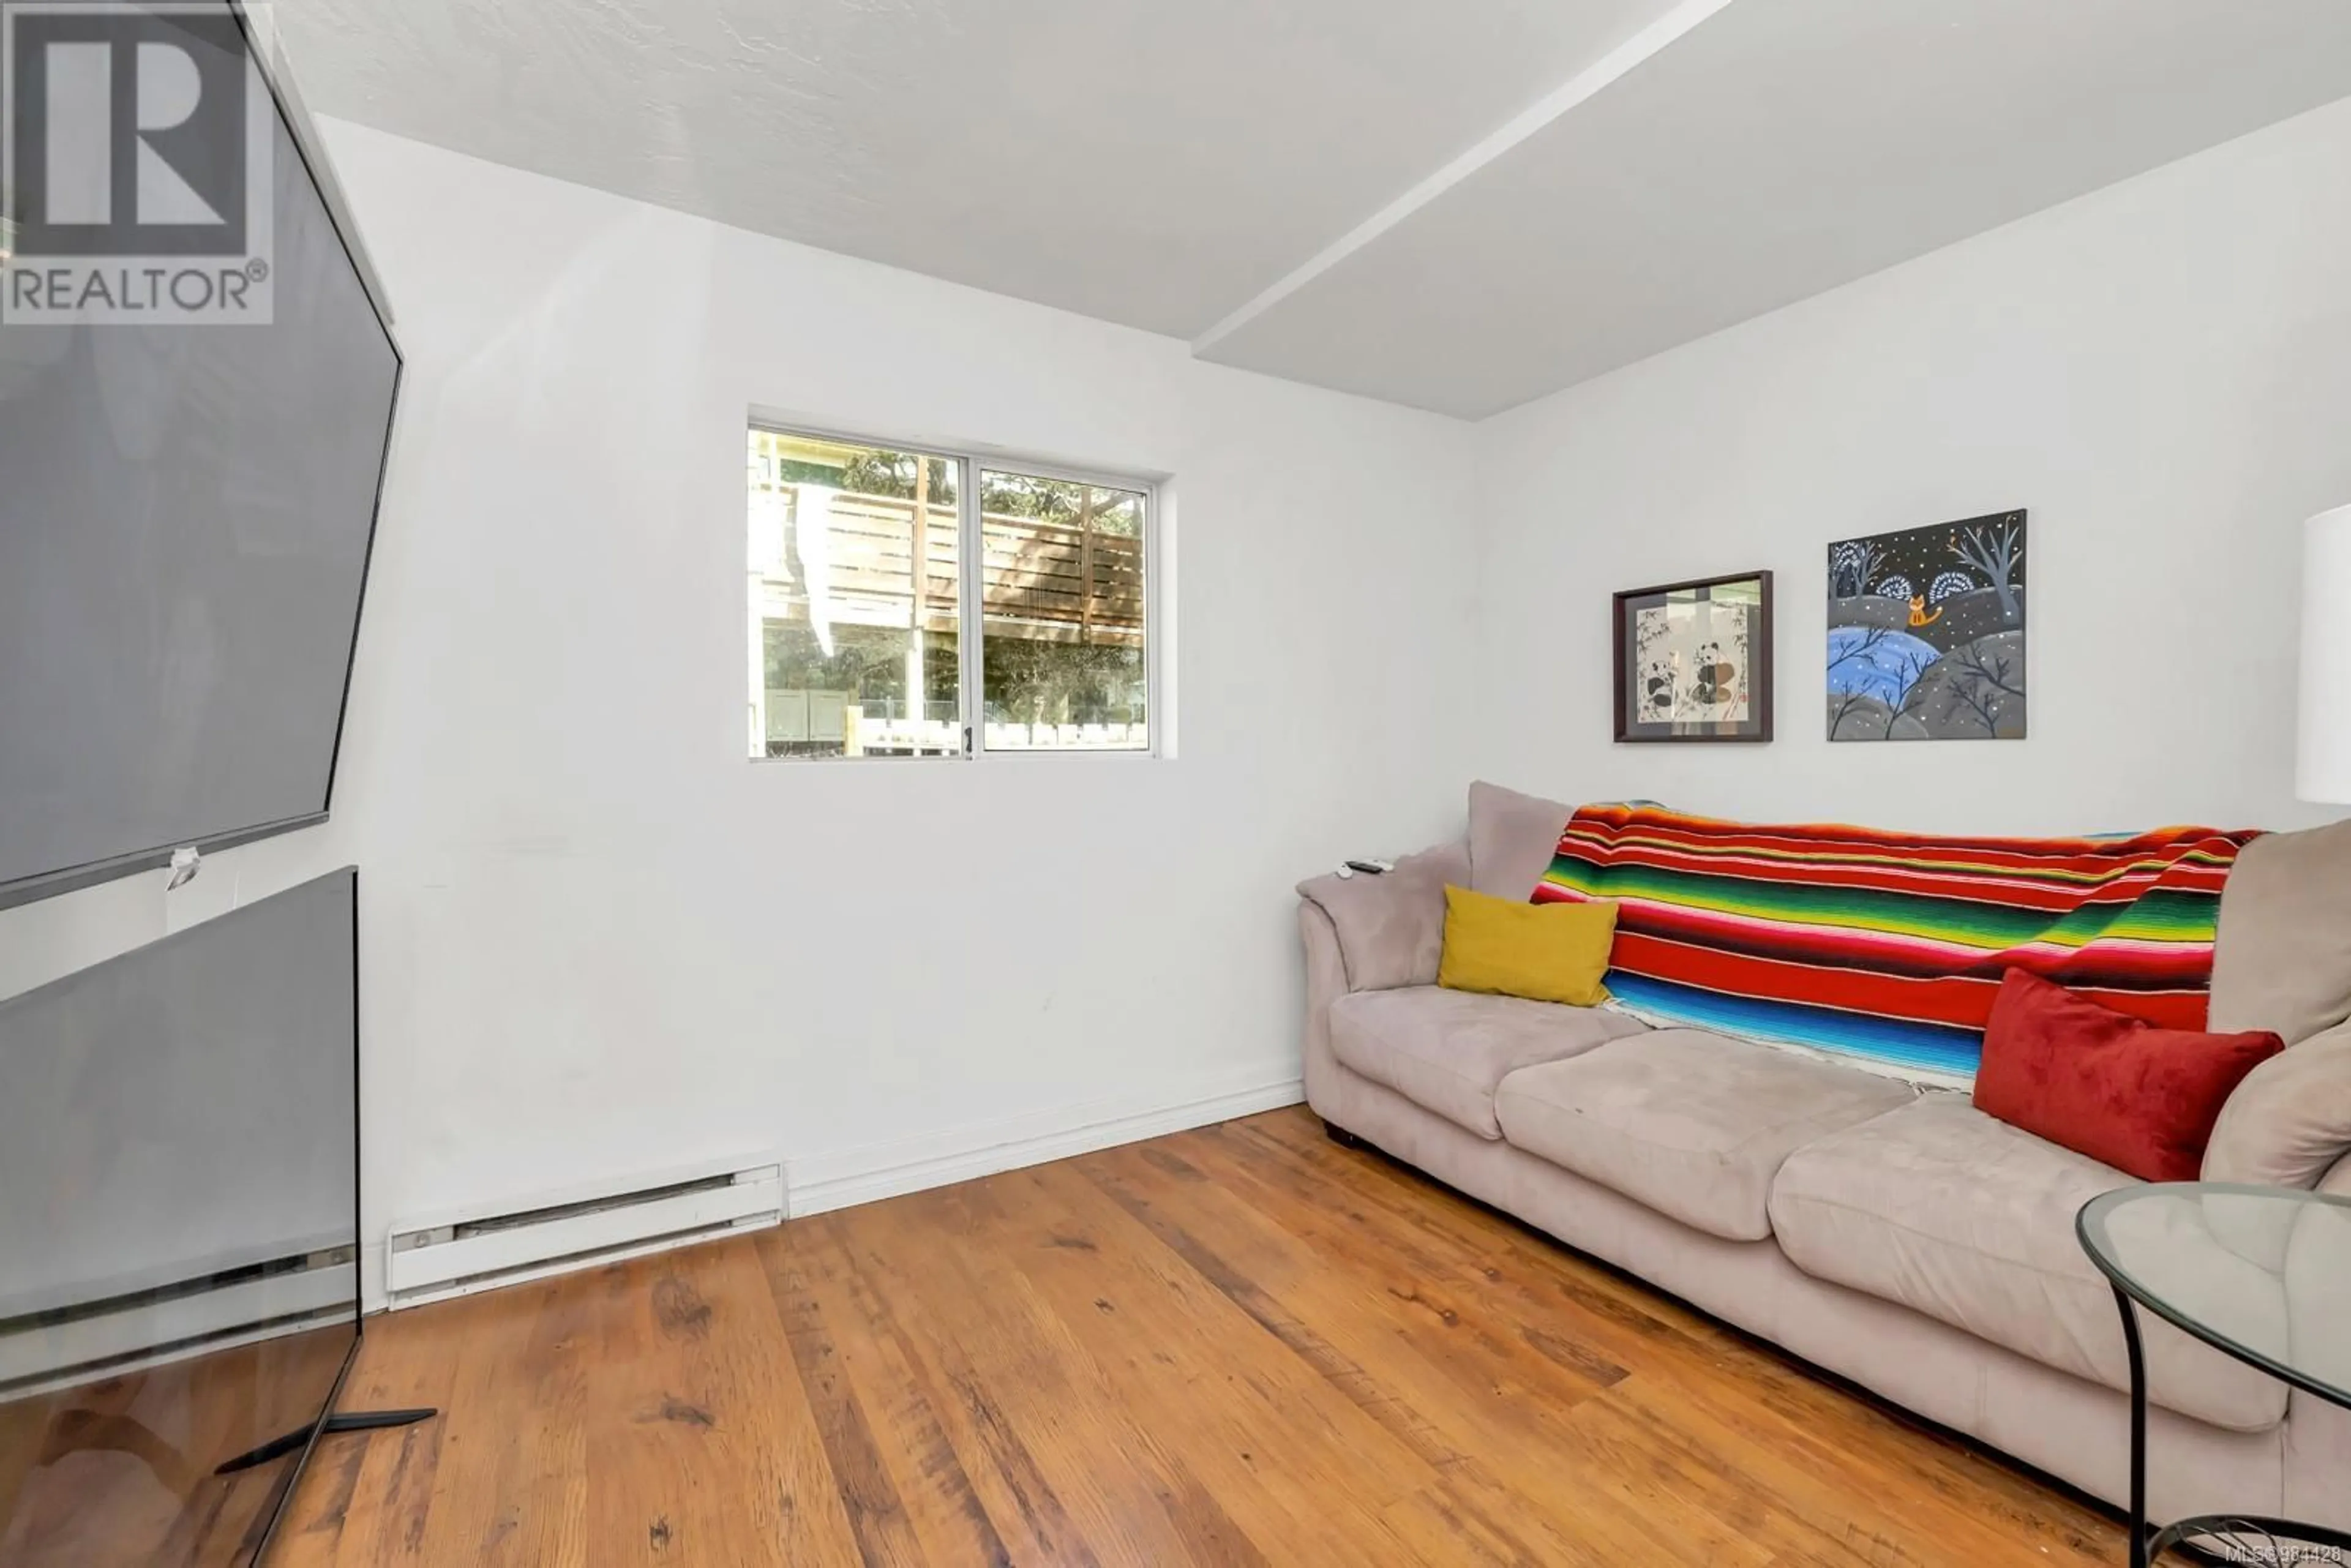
<point>1883,949</point>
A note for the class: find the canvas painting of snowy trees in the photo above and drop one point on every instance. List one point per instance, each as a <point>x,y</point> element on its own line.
<point>1926,632</point>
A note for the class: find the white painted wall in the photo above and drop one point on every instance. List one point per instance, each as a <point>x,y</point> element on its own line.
<point>596,940</point>
<point>2160,372</point>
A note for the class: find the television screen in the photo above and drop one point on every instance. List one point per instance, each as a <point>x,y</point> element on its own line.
<point>178,1234</point>
<point>186,513</point>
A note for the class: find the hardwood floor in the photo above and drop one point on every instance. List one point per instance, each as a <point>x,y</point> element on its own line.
<point>122,1469</point>
<point>1237,1345</point>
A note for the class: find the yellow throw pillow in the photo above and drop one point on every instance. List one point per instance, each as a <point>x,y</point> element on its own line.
<point>1544,952</point>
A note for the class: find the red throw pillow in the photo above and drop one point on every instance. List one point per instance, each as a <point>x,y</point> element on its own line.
<point>2140,1097</point>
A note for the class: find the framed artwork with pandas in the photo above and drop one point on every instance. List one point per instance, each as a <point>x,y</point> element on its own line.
<point>1694,660</point>
<point>1926,632</point>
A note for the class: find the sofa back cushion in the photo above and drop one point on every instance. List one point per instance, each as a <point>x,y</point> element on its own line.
<point>2283,962</point>
<point>2289,1123</point>
<point>1512,840</point>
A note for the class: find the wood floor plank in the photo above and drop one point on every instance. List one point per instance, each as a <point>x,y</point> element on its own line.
<point>1745,1400</point>
<point>511,1490</point>
<point>387,1480</point>
<point>701,1445</point>
<point>849,1344</point>
<point>1649,1474</point>
<point>877,1515</point>
<point>936,1393</point>
<point>1235,1345</point>
<point>1029,1380</point>
<point>1503,1413</point>
<point>1227,1398</point>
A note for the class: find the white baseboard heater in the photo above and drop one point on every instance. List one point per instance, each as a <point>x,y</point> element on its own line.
<point>129,1330</point>
<point>430,1261</point>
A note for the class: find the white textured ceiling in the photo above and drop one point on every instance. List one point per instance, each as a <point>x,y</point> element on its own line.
<point>1780,149</point>
<point>1151,161</point>
<point>1453,203</point>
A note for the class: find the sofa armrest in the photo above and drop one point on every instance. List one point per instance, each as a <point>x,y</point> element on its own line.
<point>1391,929</point>
<point>1326,982</point>
<point>2289,1123</point>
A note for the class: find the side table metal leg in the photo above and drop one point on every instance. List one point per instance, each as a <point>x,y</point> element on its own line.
<point>2138,1527</point>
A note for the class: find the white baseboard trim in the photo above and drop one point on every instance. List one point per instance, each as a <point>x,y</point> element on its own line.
<point>817,1184</point>
<point>842,1179</point>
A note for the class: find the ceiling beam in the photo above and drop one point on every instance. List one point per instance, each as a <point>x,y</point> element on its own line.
<point>1642,45</point>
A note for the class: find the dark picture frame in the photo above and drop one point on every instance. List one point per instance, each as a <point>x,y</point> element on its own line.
<point>1663,696</point>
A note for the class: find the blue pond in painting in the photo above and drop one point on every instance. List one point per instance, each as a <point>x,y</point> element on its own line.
<point>1877,662</point>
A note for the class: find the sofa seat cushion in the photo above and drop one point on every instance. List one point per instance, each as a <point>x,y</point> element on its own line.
<point>1691,1124</point>
<point>1967,1219</point>
<point>1445,1051</point>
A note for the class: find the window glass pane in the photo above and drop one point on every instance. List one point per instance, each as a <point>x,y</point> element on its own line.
<point>853,646</point>
<point>1061,637</point>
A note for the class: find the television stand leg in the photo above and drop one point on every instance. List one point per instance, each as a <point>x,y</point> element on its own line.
<point>344,1421</point>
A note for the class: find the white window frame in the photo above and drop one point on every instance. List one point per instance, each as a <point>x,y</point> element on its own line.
<point>971,573</point>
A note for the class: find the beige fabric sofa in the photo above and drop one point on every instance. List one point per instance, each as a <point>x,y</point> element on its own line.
<point>1900,1238</point>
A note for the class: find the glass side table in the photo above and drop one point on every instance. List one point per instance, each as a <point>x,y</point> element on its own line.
<point>2262,1274</point>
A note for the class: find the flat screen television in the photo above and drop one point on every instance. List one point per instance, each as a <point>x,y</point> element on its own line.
<point>185,517</point>
<point>179,1235</point>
